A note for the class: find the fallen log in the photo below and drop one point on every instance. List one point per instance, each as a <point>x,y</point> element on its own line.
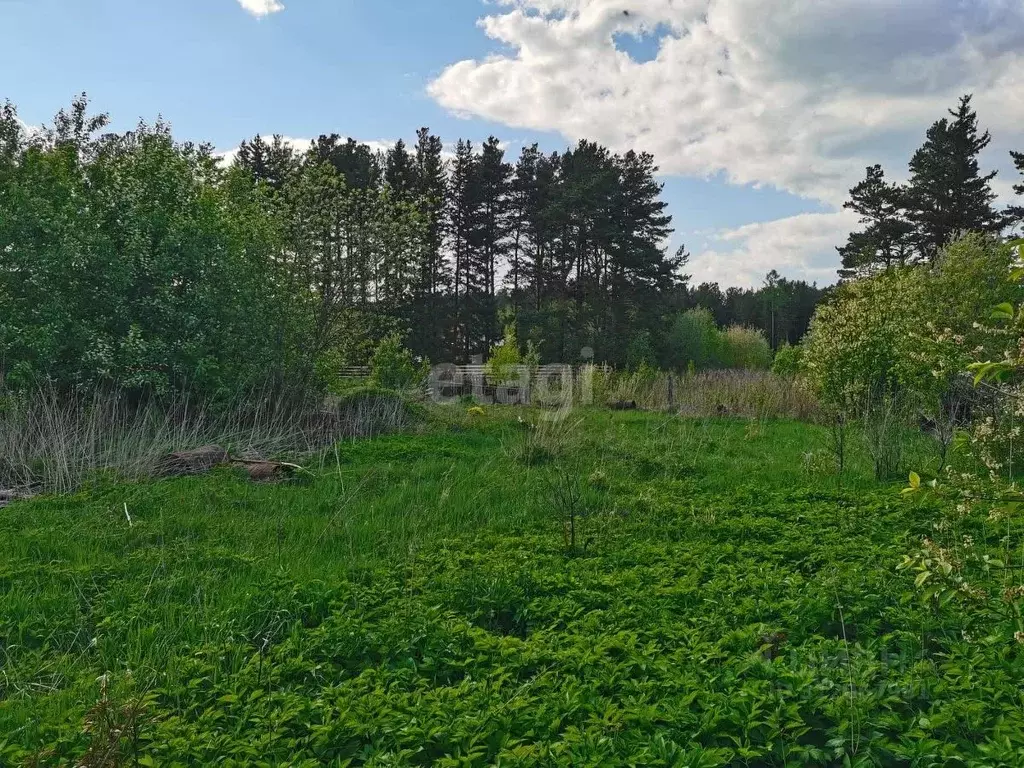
<point>194,462</point>
<point>262,471</point>
<point>623,405</point>
<point>11,495</point>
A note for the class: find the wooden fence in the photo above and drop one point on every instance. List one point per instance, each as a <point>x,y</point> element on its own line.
<point>448,380</point>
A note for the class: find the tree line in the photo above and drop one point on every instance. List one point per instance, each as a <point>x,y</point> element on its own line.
<point>567,247</point>
<point>148,262</point>
<point>946,195</point>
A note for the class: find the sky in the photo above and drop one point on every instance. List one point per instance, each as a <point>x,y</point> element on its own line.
<point>760,113</point>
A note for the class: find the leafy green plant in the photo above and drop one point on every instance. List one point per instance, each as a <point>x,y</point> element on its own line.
<point>787,360</point>
<point>744,348</point>
<point>415,602</point>
<point>505,360</point>
<point>393,367</point>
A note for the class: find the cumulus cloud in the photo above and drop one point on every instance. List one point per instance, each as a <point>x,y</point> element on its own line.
<point>799,246</point>
<point>261,8</point>
<point>798,94</point>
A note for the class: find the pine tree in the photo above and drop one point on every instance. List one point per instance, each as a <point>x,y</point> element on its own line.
<point>541,214</point>
<point>947,194</point>
<point>522,191</point>
<point>430,307</point>
<point>400,172</point>
<point>462,215</point>
<point>273,163</point>
<point>357,163</point>
<point>638,276</point>
<point>887,240</point>
<point>1015,213</point>
<point>488,241</point>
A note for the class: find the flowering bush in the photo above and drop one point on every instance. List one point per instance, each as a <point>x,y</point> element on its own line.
<point>950,565</point>
<point>861,343</point>
<point>909,331</point>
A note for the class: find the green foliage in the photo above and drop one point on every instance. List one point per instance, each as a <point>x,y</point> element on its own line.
<point>502,365</point>
<point>947,195</point>
<point>888,238</point>
<point>132,260</point>
<point>788,360</point>
<point>415,602</point>
<point>908,332</point>
<point>694,339</point>
<point>780,308</point>
<point>862,341</point>
<point>641,351</point>
<point>1015,213</point>
<point>328,368</point>
<point>745,348</point>
<point>393,367</point>
<point>970,278</point>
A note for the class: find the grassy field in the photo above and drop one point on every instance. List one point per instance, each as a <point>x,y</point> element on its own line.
<point>719,599</point>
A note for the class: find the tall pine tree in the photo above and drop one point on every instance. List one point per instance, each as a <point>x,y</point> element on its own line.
<point>947,193</point>
<point>1015,213</point>
<point>488,242</point>
<point>400,172</point>
<point>887,239</point>
<point>271,162</point>
<point>431,305</point>
<point>462,216</point>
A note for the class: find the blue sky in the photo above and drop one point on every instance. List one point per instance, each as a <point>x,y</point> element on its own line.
<point>740,184</point>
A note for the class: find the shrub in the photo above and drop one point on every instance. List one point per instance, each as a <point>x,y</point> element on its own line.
<point>641,351</point>
<point>152,273</point>
<point>393,367</point>
<point>787,360</point>
<point>502,366</point>
<point>861,341</point>
<point>744,348</point>
<point>907,331</point>
<point>327,368</point>
<point>693,339</point>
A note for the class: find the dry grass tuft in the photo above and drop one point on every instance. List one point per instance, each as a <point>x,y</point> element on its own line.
<point>52,442</point>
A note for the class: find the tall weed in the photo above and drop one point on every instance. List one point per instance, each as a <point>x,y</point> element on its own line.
<point>51,442</point>
<point>744,393</point>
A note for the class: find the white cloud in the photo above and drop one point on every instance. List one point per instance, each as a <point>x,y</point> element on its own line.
<point>261,8</point>
<point>796,94</point>
<point>799,94</point>
<point>801,246</point>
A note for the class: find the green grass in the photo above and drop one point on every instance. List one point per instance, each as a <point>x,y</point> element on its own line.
<point>415,604</point>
